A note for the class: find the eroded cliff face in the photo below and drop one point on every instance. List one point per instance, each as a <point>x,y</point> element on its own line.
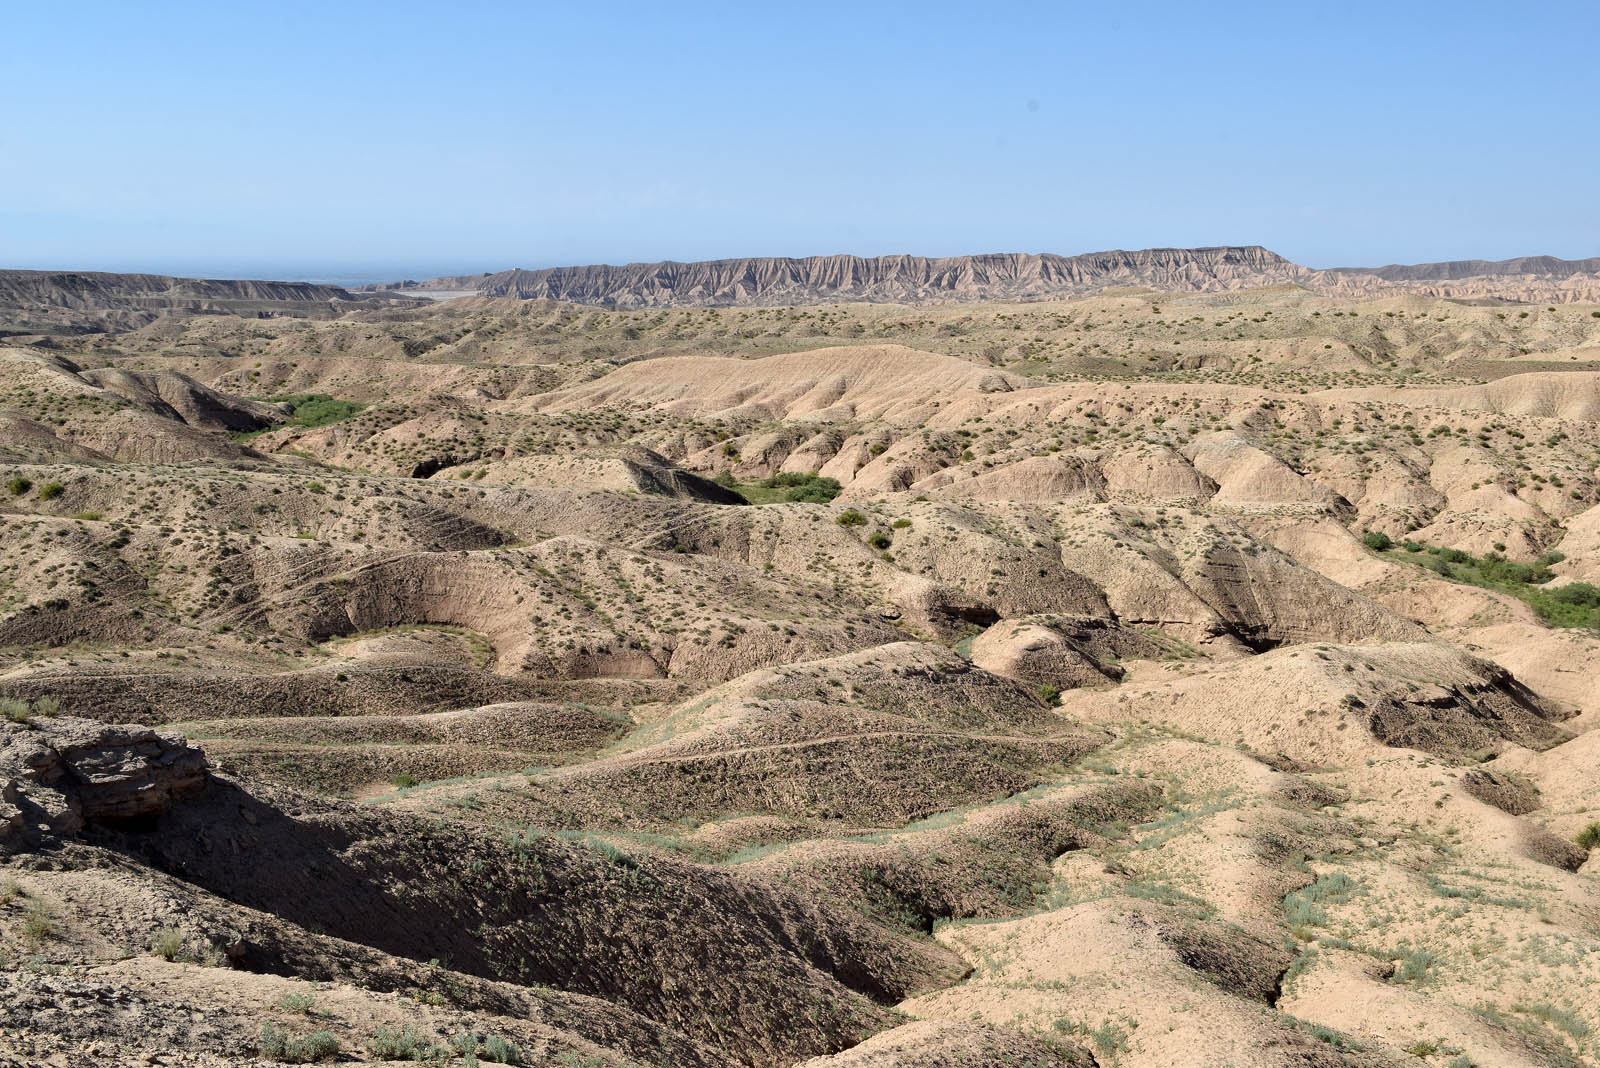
<point>80,289</point>
<point>1531,286</point>
<point>1542,267</point>
<point>886,279</point>
<point>48,302</point>
<point>1013,276</point>
<point>51,301</point>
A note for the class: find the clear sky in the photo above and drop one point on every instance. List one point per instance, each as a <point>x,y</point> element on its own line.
<point>358,139</point>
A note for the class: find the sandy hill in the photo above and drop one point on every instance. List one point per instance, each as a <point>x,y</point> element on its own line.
<point>824,384</point>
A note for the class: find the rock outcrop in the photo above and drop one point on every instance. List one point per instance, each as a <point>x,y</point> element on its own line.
<point>59,774</point>
<point>1063,652</point>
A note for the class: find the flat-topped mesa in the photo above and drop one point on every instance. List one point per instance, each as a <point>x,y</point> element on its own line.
<point>882,279</point>
<point>59,774</point>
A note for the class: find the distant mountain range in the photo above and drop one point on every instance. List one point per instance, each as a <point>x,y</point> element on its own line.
<point>56,301</point>
<point>1009,276</point>
<point>45,302</point>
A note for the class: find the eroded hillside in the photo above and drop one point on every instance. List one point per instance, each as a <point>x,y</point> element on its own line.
<point>1145,679</point>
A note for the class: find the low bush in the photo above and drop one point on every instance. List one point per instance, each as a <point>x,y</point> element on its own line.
<point>817,491</point>
<point>18,710</point>
<point>167,944</point>
<point>1583,594</point>
<point>786,486</point>
<point>807,489</point>
<point>301,1003</point>
<point>491,1048</point>
<point>37,924</point>
<point>403,1044</point>
<point>318,409</point>
<point>276,1044</point>
<point>1576,604</point>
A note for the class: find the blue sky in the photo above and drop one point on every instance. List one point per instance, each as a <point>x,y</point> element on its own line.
<point>350,139</point>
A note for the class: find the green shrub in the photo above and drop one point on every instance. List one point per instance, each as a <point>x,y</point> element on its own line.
<point>317,409</point>
<point>167,944</point>
<point>1050,695</point>
<point>37,924</point>
<point>51,490</point>
<point>316,1046</point>
<point>1576,604</point>
<point>19,485</point>
<point>276,1044</point>
<point>401,1044</point>
<point>851,518</point>
<point>404,781</point>
<point>274,1040</point>
<point>1557,1017</point>
<point>18,710</point>
<point>1413,965</point>
<point>787,479</point>
<point>300,1003</point>
<point>1583,594</point>
<point>1589,837</point>
<point>805,489</point>
<point>817,491</point>
<point>500,1051</point>
<point>791,486</point>
<point>1377,541</point>
<point>878,540</point>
